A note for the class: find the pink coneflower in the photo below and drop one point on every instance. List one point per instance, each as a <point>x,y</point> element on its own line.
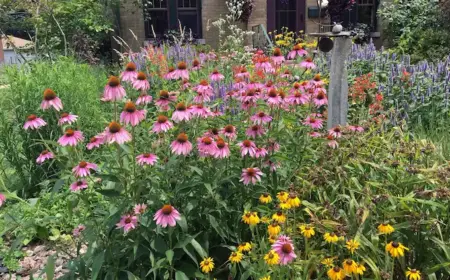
<point>248,147</point>
<point>268,87</point>
<point>51,100</point>
<point>260,152</point>
<point>181,146</point>
<point>273,166</point>
<point>141,82</point>
<point>167,216</point>
<point>144,99</point>
<point>263,63</point>
<point>273,146</point>
<point>196,65</point>
<point>216,76</point>
<point>250,95</point>
<point>71,138</point>
<point>315,134</point>
<point>320,99</point>
<point>181,113</point>
<point>285,249</point>
<point>308,63</point>
<point>222,150</point>
<point>45,155</point>
<point>314,122</point>
<point>239,84</point>
<point>243,73</point>
<point>130,115</point>
<point>200,111</point>
<point>316,81</point>
<point>297,98</point>
<point>130,74</point>
<point>251,175</point>
<point>255,131</point>
<point>127,222</point>
<point>277,56</point>
<point>185,85</point>
<point>78,185</point>
<point>356,128</point>
<point>146,159</point>
<point>164,100</point>
<point>113,90</point>
<point>115,133</point>
<point>213,132</point>
<point>33,122</point>
<point>2,199</point>
<point>260,118</point>
<point>169,74</point>
<point>78,230</point>
<point>162,124</point>
<point>95,141</point>
<point>67,118</point>
<point>229,131</point>
<point>206,145</point>
<point>181,72</point>
<point>298,87</point>
<point>286,74</point>
<point>332,143</point>
<point>204,92</point>
<point>335,132</point>
<point>273,98</point>
<point>254,85</point>
<point>297,50</point>
<point>83,169</point>
<point>139,209</point>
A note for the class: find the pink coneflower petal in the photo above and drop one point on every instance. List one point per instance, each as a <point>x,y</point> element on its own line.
<point>247,147</point>
<point>167,216</point>
<point>335,132</point>
<point>320,99</point>
<point>165,98</point>
<point>127,223</point>
<point>284,247</point>
<point>33,122</point>
<point>251,175</point>
<point>2,199</point>
<point>144,99</point>
<point>146,159</point>
<point>83,169</point>
<point>222,150</point>
<point>67,118</point>
<point>314,122</point>
<point>130,115</point>
<point>216,76</point>
<point>261,118</point>
<point>115,133</point>
<point>78,230</point>
<point>130,74</point>
<point>71,138</point>
<point>113,90</point>
<point>141,82</point>
<point>308,64</point>
<point>162,124</point>
<point>255,131</point>
<point>96,141</point>
<point>45,155</point>
<point>181,72</point>
<point>78,185</point>
<point>51,100</point>
<point>181,146</point>
<point>181,113</point>
<point>139,209</point>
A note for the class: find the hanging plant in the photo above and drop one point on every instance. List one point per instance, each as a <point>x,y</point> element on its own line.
<point>247,9</point>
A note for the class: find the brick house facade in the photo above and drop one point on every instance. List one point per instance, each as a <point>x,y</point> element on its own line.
<point>198,14</point>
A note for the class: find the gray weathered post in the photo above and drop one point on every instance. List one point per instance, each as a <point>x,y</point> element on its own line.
<point>338,88</point>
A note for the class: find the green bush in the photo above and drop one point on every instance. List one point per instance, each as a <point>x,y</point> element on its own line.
<point>79,85</point>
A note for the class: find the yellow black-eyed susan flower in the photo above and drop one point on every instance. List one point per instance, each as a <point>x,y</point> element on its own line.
<point>250,218</point>
<point>265,198</point>
<point>385,228</point>
<point>274,228</point>
<point>328,261</point>
<point>307,231</point>
<point>265,278</point>
<point>336,273</point>
<point>282,196</point>
<point>272,258</point>
<point>293,200</point>
<point>245,247</point>
<point>285,205</point>
<point>236,257</point>
<point>279,217</point>
<point>396,249</point>
<point>350,266</point>
<point>331,237</point>
<point>352,245</point>
<point>265,220</point>
<point>413,274</point>
<point>360,269</point>
<point>272,239</point>
<point>207,265</point>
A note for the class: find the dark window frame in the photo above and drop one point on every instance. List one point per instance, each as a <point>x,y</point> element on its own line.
<point>172,18</point>
<point>353,16</point>
<point>300,23</point>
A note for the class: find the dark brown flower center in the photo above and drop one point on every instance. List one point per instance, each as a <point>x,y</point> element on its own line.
<point>337,129</point>
<point>44,152</point>
<point>130,67</point>
<point>286,248</point>
<point>64,115</point>
<point>279,213</point>
<point>337,269</point>
<point>70,132</point>
<point>320,95</point>
<point>308,59</point>
<point>215,72</point>
<point>164,94</point>
<point>141,76</point>
<point>332,234</point>
<point>274,224</point>
<point>255,128</point>
<point>195,63</point>
<point>297,47</point>
<point>181,107</point>
<point>287,72</point>
<point>167,209</point>
<point>243,70</point>
<point>317,77</point>
<point>127,220</point>
<point>298,94</point>
<point>292,195</point>
<point>251,172</point>
<point>349,262</point>
<point>229,129</point>
<point>261,114</point>
<point>114,127</point>
<point>113,81</point>
<point>207,140</point>
<point>265,194</point>
<point>181,66</point>
<point>80,183</point>
<point>215,131</point>
<point>234,254</point>
<point>247,143</point>
<point>130,107</point>
<point>31,117</point>
<point>171,69</point>
<point>93,140</point>
<point>147,155</point>
<point>204,83</point>
<point>273,93</point>
<point>182,138</point>
<point>162,119</point>
<point>49,94</point>
<point>395,244</point>
<point>220,143</point>
<point>82,164</point>
<point>277,52</point>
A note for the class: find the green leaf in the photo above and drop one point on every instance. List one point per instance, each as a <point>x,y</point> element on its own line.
<point>169,256</point>
<point>179,275</point>
<point>58,184</point>
<point>199,248</point>
<point>131,276</point>
<point>50,268</point>
<point>196,170</point>
<point>183,224</point>
<point>97,264</point>
<point>109,193</point>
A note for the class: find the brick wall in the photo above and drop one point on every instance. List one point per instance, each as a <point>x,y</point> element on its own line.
<point>211,11</point>
<point>259,14</point>
<point>132,18</point>
<point>311,25</point>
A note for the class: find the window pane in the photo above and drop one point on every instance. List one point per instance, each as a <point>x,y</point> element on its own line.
<point>365,14</point>
<point>189,20</point>
<point>286,19</point>
<point>159,21</point>
<point>285,4</point>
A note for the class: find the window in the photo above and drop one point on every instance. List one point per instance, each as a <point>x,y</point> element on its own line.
<point>286,12</point>
<point>365,12</point>
<point>165,15</point>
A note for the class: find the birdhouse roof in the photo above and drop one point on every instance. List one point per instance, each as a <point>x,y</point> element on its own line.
<point>8,41</point>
